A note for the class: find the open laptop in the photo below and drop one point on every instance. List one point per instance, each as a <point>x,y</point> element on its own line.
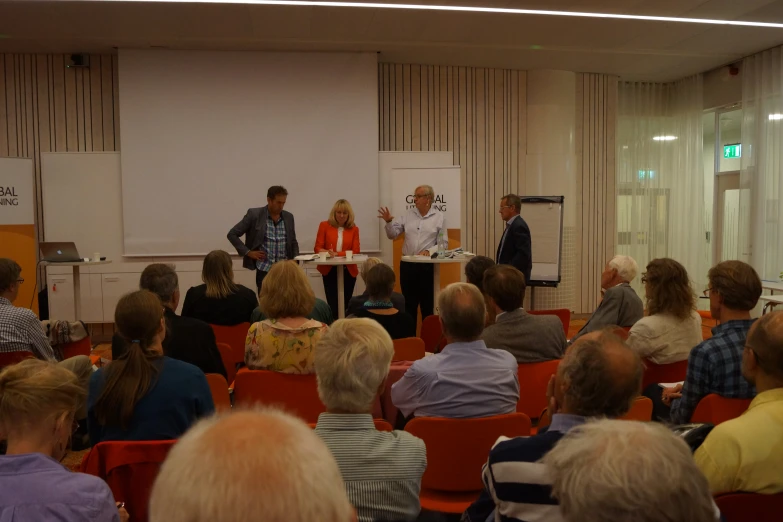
<point>63,252</point>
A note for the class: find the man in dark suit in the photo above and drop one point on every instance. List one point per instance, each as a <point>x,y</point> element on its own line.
<point>269,233</point>
<point>514,248</point>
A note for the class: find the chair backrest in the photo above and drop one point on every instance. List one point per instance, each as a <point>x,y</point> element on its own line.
<point>432,334</point>
<point>458,448</point>
<point>9,358</point>
<point>219,388</point>
<point>533,380</point>
<point>129,468</point>
<point>654,373</point>
<point>743,507</point>
<point>234,336</point>
<point>564,314</point>
<point>408,349</point>
<point>714,409</point>
<point>297,394</point>
<point>81,347</point>
<point>641,410</point>
<point>227,356</point>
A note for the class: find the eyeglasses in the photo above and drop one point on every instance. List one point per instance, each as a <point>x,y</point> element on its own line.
<point>707,292</point>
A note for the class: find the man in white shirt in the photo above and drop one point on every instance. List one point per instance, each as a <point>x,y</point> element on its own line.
<point>421,226</point>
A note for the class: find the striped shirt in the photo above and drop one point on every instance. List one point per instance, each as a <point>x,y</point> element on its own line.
<point>274,244</point>
<point>21,331</point>
<point>381,470</point>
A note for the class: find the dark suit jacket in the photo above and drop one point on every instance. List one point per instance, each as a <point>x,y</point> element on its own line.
<point>356,303</point>
<point>620,306</point>
<point>188,340</point>
<point>253,227</point>
<point>517,250</point>
<point>234,309</point>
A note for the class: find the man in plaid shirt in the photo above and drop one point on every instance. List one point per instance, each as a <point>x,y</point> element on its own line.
<point>715,365</point>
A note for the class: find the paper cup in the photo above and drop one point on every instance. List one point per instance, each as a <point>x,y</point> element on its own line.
<point>96,256</point>
<point>349,254</point>
<point>323,255</point>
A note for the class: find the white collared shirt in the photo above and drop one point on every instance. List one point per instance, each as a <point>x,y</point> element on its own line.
<point>421,232</point>
<point>339,247</point>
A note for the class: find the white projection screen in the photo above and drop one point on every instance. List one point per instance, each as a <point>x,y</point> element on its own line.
<point>204,134</point>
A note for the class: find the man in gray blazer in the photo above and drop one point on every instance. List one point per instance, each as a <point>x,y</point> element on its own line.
<point>620,305</point>
<point>270,235</point>
<point>529,338</point>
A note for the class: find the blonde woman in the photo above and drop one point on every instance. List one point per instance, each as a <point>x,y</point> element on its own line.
<point>336,235</point>
<point>286,340</point>
<point>38,403</point>
<point>219,300</point>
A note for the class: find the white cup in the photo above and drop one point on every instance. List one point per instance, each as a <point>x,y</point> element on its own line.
<point>349,254</point>
<point>96,256</point>
<point>323,255</point>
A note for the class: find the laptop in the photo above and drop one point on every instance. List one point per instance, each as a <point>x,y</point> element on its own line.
<point>63,252</point>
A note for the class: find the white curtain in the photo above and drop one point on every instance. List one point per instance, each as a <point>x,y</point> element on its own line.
<point>761,189</point>
<point>661,208</point>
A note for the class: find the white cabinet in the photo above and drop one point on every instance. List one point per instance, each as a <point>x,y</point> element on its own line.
<point>61,302</point>
<point>113,287</point>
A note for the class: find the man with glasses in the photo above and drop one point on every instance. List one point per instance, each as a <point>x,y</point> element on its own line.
<point>514,248</point>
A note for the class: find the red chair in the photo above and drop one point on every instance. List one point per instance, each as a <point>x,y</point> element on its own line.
<point>743,507</point>
<point>563,314</point>
<point>129,468</point>
<point>234,336</point>
<point>408,349</point>
<point>457,449</point>
<point>9,358</point>
<point>227,356</point>
<point>432,334</point>
<point>715,409</point>
<point>81,347</point>
<point>298,394</point>
<point>533,380</point>
<point>219,388</point>
<point>654,373</point>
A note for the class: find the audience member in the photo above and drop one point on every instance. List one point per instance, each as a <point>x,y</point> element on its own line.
<point>598,377</point>
<point>466,379</point>
<point>144,395</point>
<point>672,326</point>
<point>626,472</point>
<point>320,312</point>
<point>38,404</point>
<point>251,465</point>
<point>286,340</point>
<point>474,273</point>
<point>382,471</point>
<point>529,338</point>
<point>714,366</point>
<point>219,300</point>
<point>620,305</point>
<point>357,302</point>
<point>379,307</point>
<point>186,339</point>
<point>746,453</point>
<point>21,331</point>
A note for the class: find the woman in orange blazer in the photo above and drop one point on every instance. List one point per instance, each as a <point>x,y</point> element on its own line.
<point>336,235</point>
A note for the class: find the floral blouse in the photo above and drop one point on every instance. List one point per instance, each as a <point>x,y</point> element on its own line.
<point>273,346</point>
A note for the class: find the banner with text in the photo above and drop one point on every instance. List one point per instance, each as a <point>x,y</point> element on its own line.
<point>445,182</point>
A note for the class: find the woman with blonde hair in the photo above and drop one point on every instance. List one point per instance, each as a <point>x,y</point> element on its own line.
<point>144,395</point>
<point>286,340</point>
<point>38,403</point>
<point>336,235</point>
<point>219,300</point>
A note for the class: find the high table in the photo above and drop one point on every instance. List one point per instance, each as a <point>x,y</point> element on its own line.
<point>77,291</point>
<point>435,270</point>
<point>770,301</point>
<point>772,286</point>
<point>340,263</point>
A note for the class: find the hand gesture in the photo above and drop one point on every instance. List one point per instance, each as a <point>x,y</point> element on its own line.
<point>385,215</point>
<point>669,394</point>
<point>257,255</point>
<point>332,253</point>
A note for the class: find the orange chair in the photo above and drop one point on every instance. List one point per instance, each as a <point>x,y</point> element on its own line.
<point>674,372</point>
<point>742,507</point>
<point>81,347</point>
<point>298,394</point>
<point>219,388</point>
<point>129,468</point>
<point>715,409</point>
<point>432,334</point>
<point>408,349</point>
<point>227,356</point>
<point>533,380</point>
<point>9,358</point>
<point>563,314</point>
<point>457,449</point>
<point>234,336</point>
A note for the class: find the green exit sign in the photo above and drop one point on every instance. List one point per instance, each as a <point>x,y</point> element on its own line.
<point>732,151</point>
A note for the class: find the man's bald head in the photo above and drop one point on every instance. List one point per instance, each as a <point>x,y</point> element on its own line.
<point>765,339</point>
<point>247,465</point>
<point>462,312</point>
<point>599,376</point>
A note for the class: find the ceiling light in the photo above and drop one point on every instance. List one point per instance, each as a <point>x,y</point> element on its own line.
<point>665,138</point>
<point>776,116</point>
<point>500,10</point>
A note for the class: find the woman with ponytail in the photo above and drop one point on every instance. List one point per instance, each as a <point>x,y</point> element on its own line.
<point>143,395</point>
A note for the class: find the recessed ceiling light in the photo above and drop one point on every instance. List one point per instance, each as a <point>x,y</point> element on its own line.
<point>500,10</point>
<point>777,116</point>
<point>665,138</point>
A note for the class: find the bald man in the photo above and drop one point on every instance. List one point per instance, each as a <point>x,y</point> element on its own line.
<point>251,465</point>
<point>598,377</point>
<point>746,453</point>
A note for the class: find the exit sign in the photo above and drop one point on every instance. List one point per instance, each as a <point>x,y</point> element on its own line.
<point>732,151</point>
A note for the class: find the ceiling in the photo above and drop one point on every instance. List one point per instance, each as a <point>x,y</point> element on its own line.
<point>631,49</point>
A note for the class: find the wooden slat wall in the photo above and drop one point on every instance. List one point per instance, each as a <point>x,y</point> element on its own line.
<point>478,115</point>
<point>596,123</point>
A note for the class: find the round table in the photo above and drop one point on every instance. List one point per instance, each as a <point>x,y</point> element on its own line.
<point>340,263</point>
<point>436,270</point>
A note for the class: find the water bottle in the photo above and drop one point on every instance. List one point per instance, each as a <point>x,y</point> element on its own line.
<point>441,244</point>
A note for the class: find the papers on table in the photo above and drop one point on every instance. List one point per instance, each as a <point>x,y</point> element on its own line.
<point>306,257</point>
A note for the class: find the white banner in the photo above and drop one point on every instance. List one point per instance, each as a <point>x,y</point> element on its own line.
<point>16,192</point>
<point>445,182</point>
